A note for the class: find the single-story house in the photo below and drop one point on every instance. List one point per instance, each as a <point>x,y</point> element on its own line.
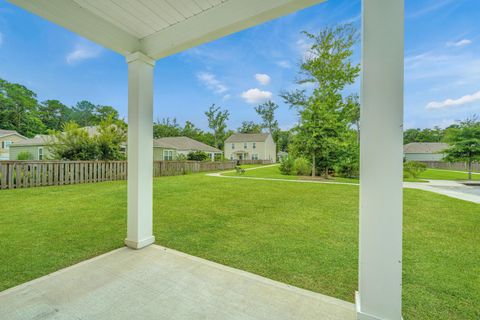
<point>250,146</point>
<point>424,151</point>
<point>170,148</point>
<point>36,146</point>
<point>7,138</point>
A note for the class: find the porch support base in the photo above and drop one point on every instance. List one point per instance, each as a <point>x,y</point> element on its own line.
<point>140,244</point>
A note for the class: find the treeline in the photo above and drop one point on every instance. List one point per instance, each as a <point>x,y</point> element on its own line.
<point>436,134</point>
<point>21,111</point>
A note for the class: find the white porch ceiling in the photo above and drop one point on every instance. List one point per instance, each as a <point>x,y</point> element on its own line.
<point>159,28</point>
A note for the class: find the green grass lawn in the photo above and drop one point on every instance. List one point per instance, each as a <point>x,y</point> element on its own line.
<point>440,174</point>
<point>273,172</point>
<point>302,234</point>
<point>430,174</point>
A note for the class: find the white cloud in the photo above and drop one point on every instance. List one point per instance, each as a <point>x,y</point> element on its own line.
<point>429,8</point>
<point>262,78</point>
<point>303,48</point>
<point>83,50</point>
<point>211,82</point>
<point>461,43</point>
<point>469,98</point>
<point>226,97</point>
<point>256,95</point>
<point>284,64</point>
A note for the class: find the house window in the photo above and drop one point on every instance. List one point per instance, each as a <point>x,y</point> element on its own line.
<point>231,157</point>
<point>244,145</point>
<point>254,145</point>
<point>6,144</point>
<point>255,156</point>
<point>167,154</point>
<point>40,153</point>
<point>233,145</point>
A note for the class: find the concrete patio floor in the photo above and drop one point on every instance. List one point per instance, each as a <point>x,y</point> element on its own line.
<point>160,283</point>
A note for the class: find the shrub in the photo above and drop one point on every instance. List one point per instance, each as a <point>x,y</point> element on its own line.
<point>181,157</point>
<point>286,166</point>
<point>302,167</point>
<point>412,169</point>
<point>348,168</point>
<point>25,155</point>
<point>197,156</point>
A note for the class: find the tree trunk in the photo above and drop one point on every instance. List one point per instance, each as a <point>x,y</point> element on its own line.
<point>313,165</point>
<point>470,170</point>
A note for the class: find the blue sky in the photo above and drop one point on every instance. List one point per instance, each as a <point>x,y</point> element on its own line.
<point>442,64</point>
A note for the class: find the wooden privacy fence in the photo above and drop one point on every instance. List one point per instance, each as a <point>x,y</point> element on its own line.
<point>26,174</point>
<point>173,168</point>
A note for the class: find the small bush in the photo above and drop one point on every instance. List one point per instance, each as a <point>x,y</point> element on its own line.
<point>197,156</point>
<point>412,169</point>
<point>181,157</point>
<point>25,155</point>
<point>287,166</point>
<point>302,167</point>
<point>348,168</point>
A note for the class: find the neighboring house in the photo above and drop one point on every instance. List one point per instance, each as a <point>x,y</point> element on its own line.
<point>250,146</point>
<point>170,148</point>
<point>37,147</point>
<point>424,151</point>
<point>7,138</point>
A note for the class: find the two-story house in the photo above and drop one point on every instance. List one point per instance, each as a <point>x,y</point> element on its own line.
<point>250,146</point>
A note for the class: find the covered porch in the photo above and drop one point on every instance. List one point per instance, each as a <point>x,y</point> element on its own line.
<point>155,282</point>
<point>160,283</point>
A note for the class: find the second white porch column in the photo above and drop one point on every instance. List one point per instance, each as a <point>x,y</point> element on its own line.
<point>381,157</point>
<point>140,150</point>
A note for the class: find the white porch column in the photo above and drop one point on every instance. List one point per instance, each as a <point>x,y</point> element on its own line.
<point>381,144</point>
<point>140,150</point>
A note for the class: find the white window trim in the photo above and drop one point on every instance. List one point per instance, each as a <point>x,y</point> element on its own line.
<point>167,153</point>
<point>40,154</point>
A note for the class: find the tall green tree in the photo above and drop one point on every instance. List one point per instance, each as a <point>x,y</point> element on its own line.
<point>250,127</point>
<point>267,112</point>
<point>83,113</point>
<point>324,129</point>
<point>19,109</point>
<point>217,121</point>
<point>105,113</point>
<point>166,128</point>
<point>54,114</point>
<point>464,141</point>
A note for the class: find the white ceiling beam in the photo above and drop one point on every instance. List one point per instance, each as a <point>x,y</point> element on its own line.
<point>221,20</point>
<point>72,16</point>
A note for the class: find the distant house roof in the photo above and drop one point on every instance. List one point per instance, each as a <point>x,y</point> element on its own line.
<point>424,147</point>
<point>248,137</point>
<point>38,140</point>
<point>10,132</point>
<point>43,139</point>
<point>183,143</point>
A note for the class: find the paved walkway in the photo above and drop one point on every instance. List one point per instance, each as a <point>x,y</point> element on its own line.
<point>159,283</point>
<point>448,188</point>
